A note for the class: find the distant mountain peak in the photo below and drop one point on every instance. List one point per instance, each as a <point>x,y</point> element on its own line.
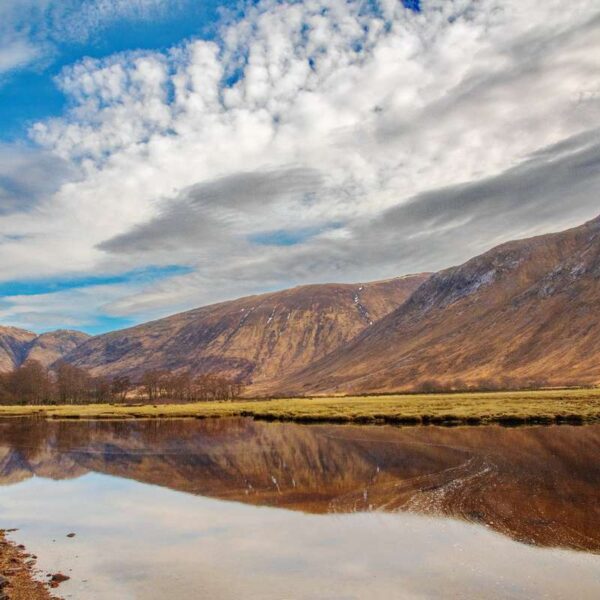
<point>18,345</point>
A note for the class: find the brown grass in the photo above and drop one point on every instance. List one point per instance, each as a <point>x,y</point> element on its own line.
<point>548,406</point>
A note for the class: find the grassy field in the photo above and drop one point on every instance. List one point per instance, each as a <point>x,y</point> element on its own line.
<point>510,408</point>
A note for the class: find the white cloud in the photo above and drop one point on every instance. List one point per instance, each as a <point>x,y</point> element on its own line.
<point>19,48</point>
<point>28,175</point>
<point>383,105</point>
<point>16,53</point>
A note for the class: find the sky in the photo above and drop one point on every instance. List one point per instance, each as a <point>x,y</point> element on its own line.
<point>159,155</point>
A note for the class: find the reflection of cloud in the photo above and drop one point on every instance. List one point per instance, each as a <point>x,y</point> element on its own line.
<point>135,540</point>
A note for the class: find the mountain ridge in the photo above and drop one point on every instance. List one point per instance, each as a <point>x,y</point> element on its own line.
<point>497,317</point>
<point>519,315</point>
<point>19,345</point>
<point>253,339</point>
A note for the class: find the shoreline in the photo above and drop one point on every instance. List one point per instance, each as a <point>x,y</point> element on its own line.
<point>17,573</point>
<point>546,407</point>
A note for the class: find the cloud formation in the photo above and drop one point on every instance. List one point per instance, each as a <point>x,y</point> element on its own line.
<point>27,176</point>
<point>30,30</point>
<point>202,213</point>
<point>430,231</point>
<point>423,136</point>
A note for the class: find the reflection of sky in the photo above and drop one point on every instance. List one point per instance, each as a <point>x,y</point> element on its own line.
<point>140,541</point>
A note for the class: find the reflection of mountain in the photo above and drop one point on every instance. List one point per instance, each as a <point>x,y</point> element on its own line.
<point>537,485</point>
<point>25,453</point>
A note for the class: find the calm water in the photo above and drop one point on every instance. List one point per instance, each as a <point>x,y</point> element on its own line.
<point>236,509</point>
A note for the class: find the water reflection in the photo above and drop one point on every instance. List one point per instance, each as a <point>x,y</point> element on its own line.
<point>537,485</point>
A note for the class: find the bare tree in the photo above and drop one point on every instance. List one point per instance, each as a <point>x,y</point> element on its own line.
<point>120,386</point>
<point>28,384</point>
<point>72,383</point>
<point>31,383</point>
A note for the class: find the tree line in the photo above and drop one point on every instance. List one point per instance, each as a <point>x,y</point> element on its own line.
<point>32,383</point>
<point>431,386</point>
<point>183,387</point>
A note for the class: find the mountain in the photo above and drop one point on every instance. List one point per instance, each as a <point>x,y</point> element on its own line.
<point>49,347</point>
<point>526,311</point>
<point>18,345</point>
<point>257,339</point>
<point>13,347</point>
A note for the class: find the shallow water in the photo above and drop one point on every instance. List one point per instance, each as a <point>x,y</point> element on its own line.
<point>232,508</point>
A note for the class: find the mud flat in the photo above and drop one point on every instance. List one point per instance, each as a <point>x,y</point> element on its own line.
<point>17,574</point>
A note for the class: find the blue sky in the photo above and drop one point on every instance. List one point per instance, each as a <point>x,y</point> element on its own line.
<point>30,94</point>
<point>159,155</point>
<point>32,287</point>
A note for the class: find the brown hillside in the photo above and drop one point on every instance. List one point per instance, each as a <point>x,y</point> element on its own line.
<point>19,345</point>
<point>257,339</point>
<point>525,311</point>
<point>14,344</point>
<point>49,347</point>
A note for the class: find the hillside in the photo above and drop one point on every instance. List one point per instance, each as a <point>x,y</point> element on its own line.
<point>524,312</point>
<point>257,339</point>
<point>49,347</point>
<point>14,344</point>
<point>18,345</point>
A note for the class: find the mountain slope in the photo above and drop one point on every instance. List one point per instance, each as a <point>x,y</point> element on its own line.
<point>49,347</point>
<point>525,311</point>
<point>257,339</point>
<point>19,345</point>
<point>14,344</point>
